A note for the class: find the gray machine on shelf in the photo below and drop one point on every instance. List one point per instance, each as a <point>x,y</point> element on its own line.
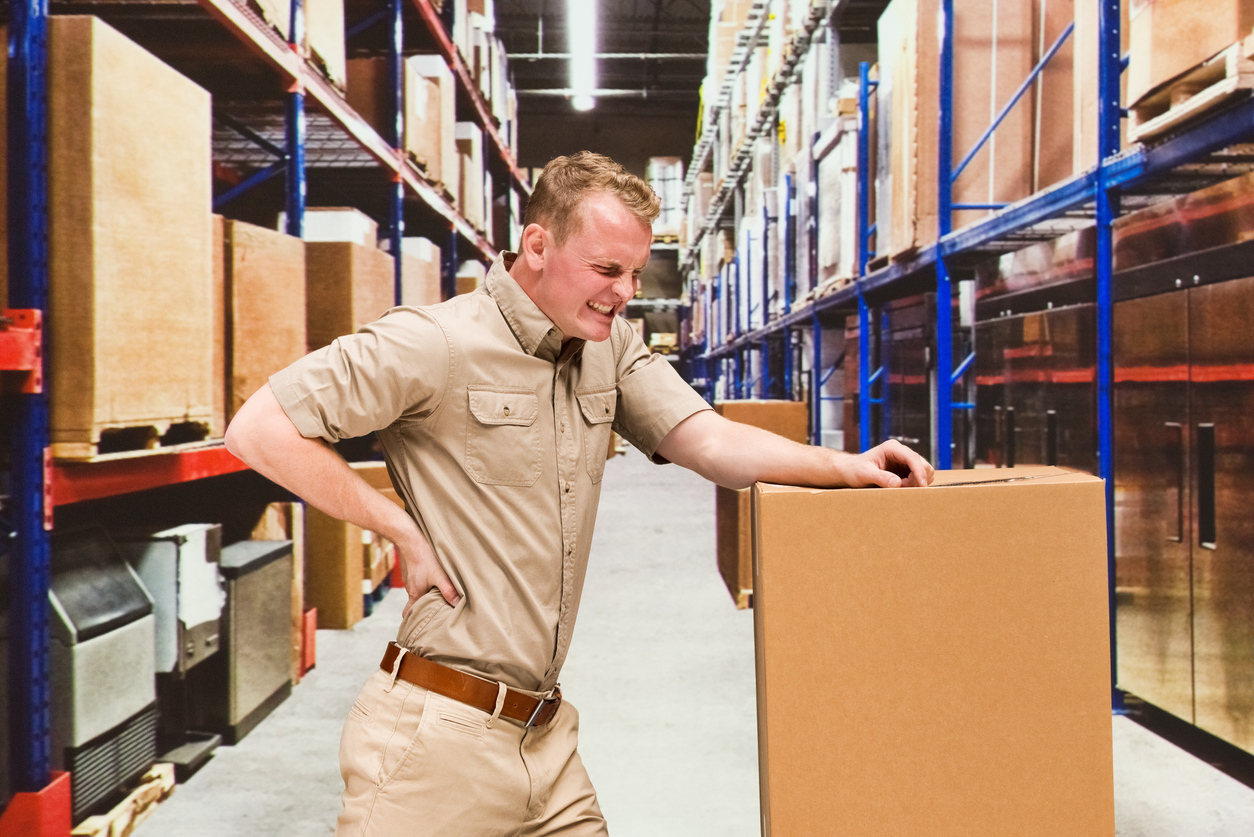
<point>104,711</point>
<point>179,567</point>
<point>252,674</point>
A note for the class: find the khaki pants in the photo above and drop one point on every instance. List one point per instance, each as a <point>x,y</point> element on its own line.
<point>418,764</point>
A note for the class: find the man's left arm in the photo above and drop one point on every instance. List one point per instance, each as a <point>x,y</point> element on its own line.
<point>736,455</point>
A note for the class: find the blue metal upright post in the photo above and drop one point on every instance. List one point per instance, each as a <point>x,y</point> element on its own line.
<point>396,98</point>
<point>294,128</point>
<point>1108,121</point>
<point>816,387</point>
<point>943,454</point>
<point>30,751</point>
<point>864,253</point>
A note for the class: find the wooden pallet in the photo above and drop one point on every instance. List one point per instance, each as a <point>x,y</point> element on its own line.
<point>156,785</point>
<point>110,442</point>
<point>1217,80</point>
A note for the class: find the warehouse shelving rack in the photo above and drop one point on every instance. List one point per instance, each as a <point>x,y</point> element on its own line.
<point>284,145</point>
<point>1203,152</point>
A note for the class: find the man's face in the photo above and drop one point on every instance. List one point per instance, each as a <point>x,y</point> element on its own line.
<point>591,276</point>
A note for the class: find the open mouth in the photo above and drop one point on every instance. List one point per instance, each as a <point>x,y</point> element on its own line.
<point>607,310</point>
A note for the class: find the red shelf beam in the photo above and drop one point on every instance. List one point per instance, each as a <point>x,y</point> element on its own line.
<point>74,482</point>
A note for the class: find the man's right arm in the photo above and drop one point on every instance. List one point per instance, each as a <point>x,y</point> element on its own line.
<point>264,438</point>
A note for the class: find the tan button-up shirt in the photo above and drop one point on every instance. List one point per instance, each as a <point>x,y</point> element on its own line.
<point>496,436</point>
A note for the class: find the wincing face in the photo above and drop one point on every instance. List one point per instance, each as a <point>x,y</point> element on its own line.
<point>587,280</point>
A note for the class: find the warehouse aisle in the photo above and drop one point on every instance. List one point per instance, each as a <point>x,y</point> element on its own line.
<point>661,669</point>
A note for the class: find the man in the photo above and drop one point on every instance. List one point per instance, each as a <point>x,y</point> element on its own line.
<point>494,411</point>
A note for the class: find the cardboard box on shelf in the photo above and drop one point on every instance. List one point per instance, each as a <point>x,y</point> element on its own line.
<point>420,272</point>
<point>324,33</point>
<point>734,543</point>
<point>369,93</point>
<point>1169,37</point>
<point>470,276</point>
<point>346,286</point>
<point>337,223</point>
<point>333,569</point>
<point>264,310</point>
<point>131,320</point>
<point>1054,96</point>
<point>442,113</point>
<point>666,176</point>
<point>997,588</point>
<point>1084,122</point>
<point>992,56</point>
<point>286,522</point>
<point>470,196</point>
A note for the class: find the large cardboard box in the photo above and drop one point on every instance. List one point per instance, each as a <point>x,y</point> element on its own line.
<point>324,33</point>
<point>369,94</point>
<point>1168,37</point>
<point>993,50</point>
<point>346,286</point>
<point>333,569</point>
<point>130,262</point>
<point>1084,122</point>
<point>733,523</point>
<point>946,676</point>
<point>433,68</point>
<point>264,292</point>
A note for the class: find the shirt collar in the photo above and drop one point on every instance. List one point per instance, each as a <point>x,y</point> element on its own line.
<point>534,331</point>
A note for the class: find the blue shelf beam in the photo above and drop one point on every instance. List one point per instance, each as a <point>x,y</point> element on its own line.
<point>29,715</point>
<point>396,135</point>
<point>942,454</point>
<point>294,135</point>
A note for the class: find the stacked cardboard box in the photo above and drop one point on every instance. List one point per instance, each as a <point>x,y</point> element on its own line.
<point>443,109</point>
<point>666,176</point>
<point>369,93</point>
<point>333,569</point>
<point>264,310</point>
<point>993,52</point>
<point>346,286</point>
<point>958,667</point>
<point>131,297</point>
<point>420,272</point>
<point>1169,40</point>
<point>324,33</point>
<point>470,190</point>
<point>789,419</point>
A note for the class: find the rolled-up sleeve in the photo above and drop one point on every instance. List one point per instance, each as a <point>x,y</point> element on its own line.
<point>652,397</point>
<point>394,369</point>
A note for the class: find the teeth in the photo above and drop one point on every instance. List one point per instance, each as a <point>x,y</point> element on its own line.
<point>601,309</point>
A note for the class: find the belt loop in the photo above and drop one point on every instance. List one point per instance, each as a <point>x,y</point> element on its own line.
<point>500,704</point>
<point>396,667</point>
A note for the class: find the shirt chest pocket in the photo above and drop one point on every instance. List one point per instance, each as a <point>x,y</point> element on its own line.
<point>502,437</point>
<point>597,406</point>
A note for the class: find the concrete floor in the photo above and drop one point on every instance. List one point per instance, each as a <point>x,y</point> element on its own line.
<point>661,668</point>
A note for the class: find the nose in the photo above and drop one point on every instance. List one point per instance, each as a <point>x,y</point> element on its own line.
<point>625,286</point>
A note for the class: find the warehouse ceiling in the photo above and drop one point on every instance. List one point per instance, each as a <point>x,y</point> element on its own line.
<point>645,29</point>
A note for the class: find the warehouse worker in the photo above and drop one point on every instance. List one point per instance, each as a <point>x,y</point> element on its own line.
<point>494,411</point>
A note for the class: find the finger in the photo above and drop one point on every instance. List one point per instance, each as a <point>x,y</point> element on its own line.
<point>879,477</point>
<point>919,471</point>
<point>445,585</point>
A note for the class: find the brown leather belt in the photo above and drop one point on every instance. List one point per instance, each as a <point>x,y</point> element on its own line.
<point>471,690</point>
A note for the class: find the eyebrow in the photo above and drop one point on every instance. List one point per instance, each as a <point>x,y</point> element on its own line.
<point>614,264</point>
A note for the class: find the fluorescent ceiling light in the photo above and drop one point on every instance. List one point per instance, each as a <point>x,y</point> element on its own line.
<point>581,28</point>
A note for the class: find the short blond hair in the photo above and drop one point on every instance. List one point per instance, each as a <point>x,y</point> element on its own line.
<point>557,194</point>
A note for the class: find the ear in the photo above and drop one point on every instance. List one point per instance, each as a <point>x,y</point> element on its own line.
<point>533,246</point>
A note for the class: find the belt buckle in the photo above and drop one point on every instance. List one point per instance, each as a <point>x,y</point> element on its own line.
<point>542,704</point>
